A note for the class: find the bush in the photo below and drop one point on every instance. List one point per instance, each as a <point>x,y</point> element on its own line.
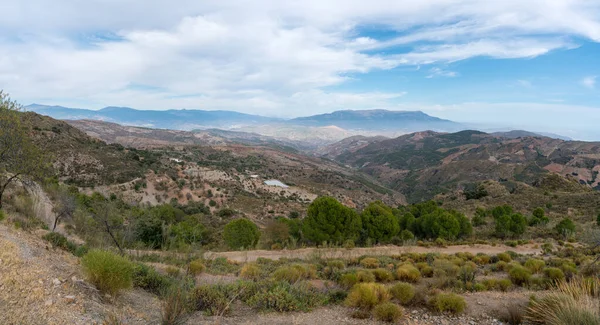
<point>565,227</point>
<point>448,302</point>
<point>534,265</point>
<point>403,292</point>
<point>294,273</point>
<point>147,278</point>
<point>383,275</point>
<point>348,280</point>
<point>365,276</point>
<point>250,271</point>
<point>388,312</point>
<point>408,273</point>
<point>369,263</point>
<point>284,297</point>
<point>504,284</point>
<point>367,295</point>
<point>504,257</point>
<point>406,235</point>
<point>479,287</point>
<point>519,275</point>
<point>109,272</point>
<point>173,271</point>
<point>554,274</point>
<point>241,233</point>
<point>60,241</point>
<point>196,267</point>
<point>212,300</point>
<point>174,308</point>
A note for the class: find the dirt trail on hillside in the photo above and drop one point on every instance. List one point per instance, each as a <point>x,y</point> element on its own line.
<point>304,253</point>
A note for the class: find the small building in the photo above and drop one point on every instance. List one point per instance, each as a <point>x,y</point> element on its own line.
<point>275,182</point>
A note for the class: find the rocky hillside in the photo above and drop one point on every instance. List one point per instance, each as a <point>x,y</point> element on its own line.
<point>83,160</point>
<point>423,164</point>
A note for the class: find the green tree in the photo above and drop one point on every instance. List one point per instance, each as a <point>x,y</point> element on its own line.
<point>509,224</point>
<point>565,227</point>
<point>20,159</point>
<point>329,220</point>
<point>189,231</point>
<point>241,233</point>
<point>379,222</point>
<point>538,217</point>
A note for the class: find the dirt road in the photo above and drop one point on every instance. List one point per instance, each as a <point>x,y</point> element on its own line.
<point>304,253</point>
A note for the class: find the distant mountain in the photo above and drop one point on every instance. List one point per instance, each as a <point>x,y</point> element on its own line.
<point>423,164</point>
<point>514,134</point>
<point>170,119</point>
<point>144,138</point>
<point>381,120</point>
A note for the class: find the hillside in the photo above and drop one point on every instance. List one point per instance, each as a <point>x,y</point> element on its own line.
<point>142,138</point>
<point>83,160</point>
<point>423,164</point>
<point>202,167</point>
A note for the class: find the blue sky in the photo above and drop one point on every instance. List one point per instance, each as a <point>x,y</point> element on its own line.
<point>525,64</point>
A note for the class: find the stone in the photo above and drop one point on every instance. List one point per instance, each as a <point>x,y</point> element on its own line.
<point>70,299</point>
<point>48,303</point>
<point>56,282</point>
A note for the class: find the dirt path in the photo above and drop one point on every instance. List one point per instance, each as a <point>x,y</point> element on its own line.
<point>304,253</point>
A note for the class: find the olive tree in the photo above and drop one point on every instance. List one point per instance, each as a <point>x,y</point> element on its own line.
<point>20,159</point>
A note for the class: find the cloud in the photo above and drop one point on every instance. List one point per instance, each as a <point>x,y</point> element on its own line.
<point>524,83</point>
<point>265,55</point>
<point>589,82</point>
<point>438,72</point>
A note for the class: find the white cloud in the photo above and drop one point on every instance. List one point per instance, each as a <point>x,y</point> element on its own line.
<point>589,82</point>
<point>263,56</point>
<point>524,83</point>
<point>438,72</point>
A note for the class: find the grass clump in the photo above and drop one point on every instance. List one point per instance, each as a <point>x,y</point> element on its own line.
<point>348,280</point>
<point>403,292</point>
<point>448,302</point>
<point>147,278</point>
<point>250,271</point>
<point>109,272</point>
<point>408,273</point>
<point>388,312</point>
<point>369,263</point>
<point>211,299</point>
<point>367,295</point>
<point>535,265</point>
<point>519,275</point>
<point>504,257</point>
<point>554,274</point>
<point>174,309</point>
<point>574,302</point>
<point>383,275</point>
<point>286,297</point>
<point>196,267</point>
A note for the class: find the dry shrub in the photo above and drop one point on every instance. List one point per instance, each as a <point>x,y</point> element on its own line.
<point>514,314</point>
<point>383,275</point>
<point>388,312</point>
<point>196,267</point>
<point>369,263</point>
<point>408,273</point>
<point>250,271</point>
<point>403,292</point>
<point>174,308</point>
<point>109,272</point>
<point>448,302</point>
<point>367,295</point>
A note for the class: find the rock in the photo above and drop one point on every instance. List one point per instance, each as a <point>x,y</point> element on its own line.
<point>70,299</point>
<point>74,278</point>
<point>56,282</point>
<point>48,303</point>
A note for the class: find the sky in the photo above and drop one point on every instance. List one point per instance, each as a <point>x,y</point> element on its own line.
<point>532,64</point>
